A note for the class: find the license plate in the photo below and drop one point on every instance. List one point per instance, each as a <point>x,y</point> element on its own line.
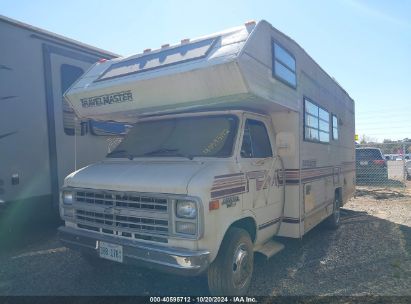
<point>363,163</point>
<point>111,252</point>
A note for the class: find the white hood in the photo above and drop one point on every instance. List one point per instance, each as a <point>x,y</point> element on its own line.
<point>140,176</point>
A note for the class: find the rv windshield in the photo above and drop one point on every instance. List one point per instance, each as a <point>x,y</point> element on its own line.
<point>204,136</point>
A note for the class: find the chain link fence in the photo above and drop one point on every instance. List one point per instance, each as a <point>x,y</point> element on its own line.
<point>383,164</point>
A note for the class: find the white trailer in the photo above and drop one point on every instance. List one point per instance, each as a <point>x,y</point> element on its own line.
<point>38,131</point>
<point>239,137</point>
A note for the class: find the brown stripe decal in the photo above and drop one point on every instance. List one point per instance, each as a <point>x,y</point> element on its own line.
<point>228,184</point>
<point>228,181</point>
<point>288,220</point>
<point>294,176</point>
<point>237,183</point>
<point>221,193</point>
<point>269,223</point>
<point>229,175</point>
<point>291,220</point>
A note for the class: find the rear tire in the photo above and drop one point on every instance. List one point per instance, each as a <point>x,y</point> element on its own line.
<point>230,273</point>
<point>333,221</point>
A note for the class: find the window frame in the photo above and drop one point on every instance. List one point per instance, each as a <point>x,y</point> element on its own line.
<point>94,129</point>
<point>274,59</point>
<point>160,55</point>
<point>334,127</point>
<point>318,117</point>
<point>270,144</point>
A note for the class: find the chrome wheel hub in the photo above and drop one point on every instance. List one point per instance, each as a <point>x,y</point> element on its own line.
<point>241,266</point>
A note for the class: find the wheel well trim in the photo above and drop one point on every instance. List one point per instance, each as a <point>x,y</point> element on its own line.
<point>246,216</point>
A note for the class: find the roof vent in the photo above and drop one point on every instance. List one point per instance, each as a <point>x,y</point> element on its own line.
<point>185,40</point>
<point>164,46</point>
<point>147,50</point>
<point>250,22</point>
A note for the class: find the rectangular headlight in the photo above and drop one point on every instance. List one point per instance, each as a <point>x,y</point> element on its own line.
<point>67,197</point>
<point>186,228</point>
<point>186,209</point>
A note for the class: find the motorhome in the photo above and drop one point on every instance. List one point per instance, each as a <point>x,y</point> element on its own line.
<point>238,137</point>
<point>38,129</point>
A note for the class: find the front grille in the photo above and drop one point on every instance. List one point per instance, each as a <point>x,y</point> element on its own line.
<point>131,201</point>
<point>122,214</point>
<point>129,223</point>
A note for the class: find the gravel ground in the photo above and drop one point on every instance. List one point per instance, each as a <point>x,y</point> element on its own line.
<point>370,254</point>
<point>389,204</point>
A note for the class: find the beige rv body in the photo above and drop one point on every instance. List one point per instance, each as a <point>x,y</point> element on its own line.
<point>228,73</point>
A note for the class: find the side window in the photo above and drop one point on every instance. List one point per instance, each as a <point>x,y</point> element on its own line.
<point>246,148</point>
<point>256,143</point>
<point>69,74</point>
<point>284,65</point>
<point>108,128</point>
<point>316,123</point>
<point>335,127</point>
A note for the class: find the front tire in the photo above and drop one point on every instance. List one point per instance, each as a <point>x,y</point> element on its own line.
<point>230,273</point>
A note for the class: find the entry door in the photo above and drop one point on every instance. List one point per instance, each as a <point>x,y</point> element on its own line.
<point>75,146</point>
<point>260,165</point>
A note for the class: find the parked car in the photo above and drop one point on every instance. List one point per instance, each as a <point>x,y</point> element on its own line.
<point>371,165</point>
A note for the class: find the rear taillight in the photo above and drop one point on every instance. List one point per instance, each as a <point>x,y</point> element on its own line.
<point>379,162</point>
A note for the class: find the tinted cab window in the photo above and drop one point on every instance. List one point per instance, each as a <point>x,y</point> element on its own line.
<point>256,143</point>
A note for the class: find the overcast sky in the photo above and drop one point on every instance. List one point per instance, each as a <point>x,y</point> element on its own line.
<point>365,45</point>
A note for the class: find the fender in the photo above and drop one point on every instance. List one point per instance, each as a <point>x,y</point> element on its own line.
<point>245,214</point>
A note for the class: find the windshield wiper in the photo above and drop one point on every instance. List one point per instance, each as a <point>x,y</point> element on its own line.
<point>168,152</point>
<point>115,152</point>
<point>120,152</point>
<point>161,151</point>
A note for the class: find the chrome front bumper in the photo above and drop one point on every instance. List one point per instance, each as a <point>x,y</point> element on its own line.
<point>178,261</point>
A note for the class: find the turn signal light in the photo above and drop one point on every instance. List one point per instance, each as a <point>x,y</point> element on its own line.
<point>214,205</point>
